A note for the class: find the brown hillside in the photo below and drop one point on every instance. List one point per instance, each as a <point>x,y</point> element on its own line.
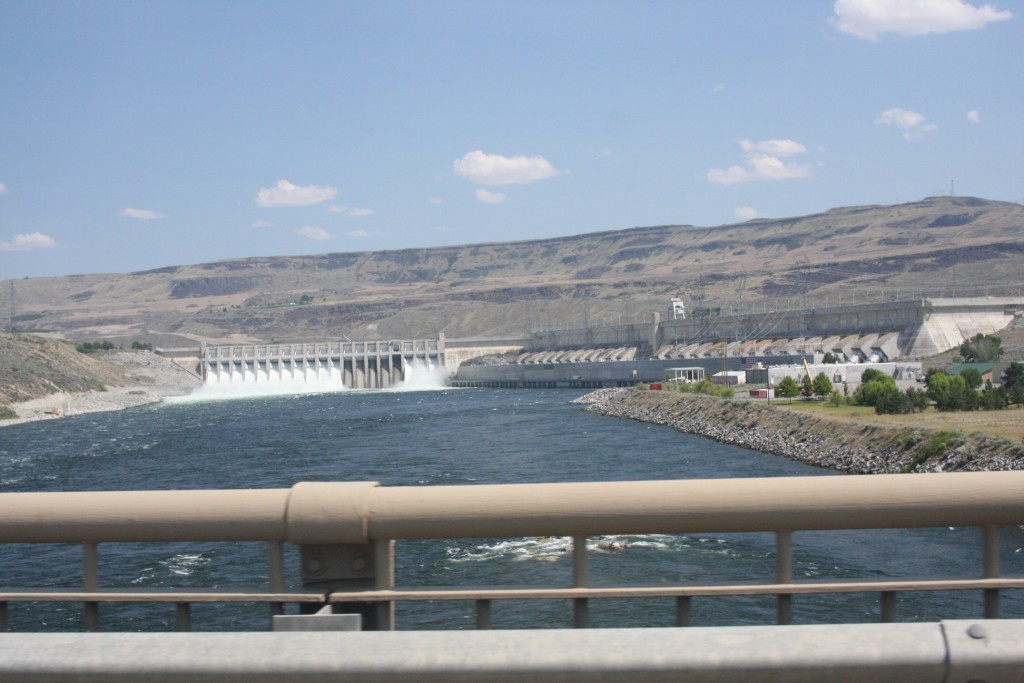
<point>32,367</point>
<point>938,246</point>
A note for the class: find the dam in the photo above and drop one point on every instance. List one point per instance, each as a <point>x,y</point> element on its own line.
<point>350,364</point>
<point>885,329</point>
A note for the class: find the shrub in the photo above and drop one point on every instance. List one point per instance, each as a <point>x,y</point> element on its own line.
<point>92,347</point>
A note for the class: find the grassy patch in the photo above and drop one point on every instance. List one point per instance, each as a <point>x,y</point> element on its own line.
<point>935,445</point>
<point>7,413</point>
<point>907,438</point>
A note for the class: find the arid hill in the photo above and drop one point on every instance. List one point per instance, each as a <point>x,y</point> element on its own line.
<point>31,367</point>
<point>938,246</point>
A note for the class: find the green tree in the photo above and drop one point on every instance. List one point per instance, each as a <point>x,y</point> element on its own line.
<point>806,387</point>
<point>993,398</point>
<point>1013,382</point>
<point>950,392</point>
<point>918,399</point>
<point>822,385</point>
<point>870,375</point>
<point>893,402</point>
<point>981,348</point>
<point>875,388</point>
<point>830,359</point>
<point>787,388</point>
<point>972,377</point>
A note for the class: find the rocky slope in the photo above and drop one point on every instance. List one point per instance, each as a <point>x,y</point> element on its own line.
<point>940,245</point>
<point>854,448</point>
<point>42,378</point>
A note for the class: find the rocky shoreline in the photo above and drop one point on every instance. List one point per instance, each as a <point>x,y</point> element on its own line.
<point>150,379</point>
<point>856,448</point>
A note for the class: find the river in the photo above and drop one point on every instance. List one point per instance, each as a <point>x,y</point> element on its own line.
<point>435,438</point>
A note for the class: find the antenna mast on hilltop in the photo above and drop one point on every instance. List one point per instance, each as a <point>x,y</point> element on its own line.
<point>952,189</point>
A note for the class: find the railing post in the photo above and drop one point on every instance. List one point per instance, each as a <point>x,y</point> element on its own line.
<point>348,567</point>
<point>384,579</point>
<point>887,602</point>
<point>784,574</point>
<point>684,610</point>
<point>275,574</point>
<point>990,551</point>
<point>183,616</point>
<point>90,584</point>
<point>580,612</point>
<point>483,614</point>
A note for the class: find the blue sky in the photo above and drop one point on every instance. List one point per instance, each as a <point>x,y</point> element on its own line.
<point>135,135</point>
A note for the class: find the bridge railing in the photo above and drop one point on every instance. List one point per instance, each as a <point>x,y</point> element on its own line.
<point>346,532</point>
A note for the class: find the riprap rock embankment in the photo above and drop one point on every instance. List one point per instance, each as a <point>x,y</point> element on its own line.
<point>854,447</point>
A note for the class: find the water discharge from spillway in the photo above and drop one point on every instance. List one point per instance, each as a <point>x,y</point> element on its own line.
<point>420,375</point>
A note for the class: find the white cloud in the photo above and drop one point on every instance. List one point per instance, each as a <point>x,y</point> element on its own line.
<point>436,201</point>
<point>763,163</point>
<point>3,189</point>
<point>490,197</point>
<point>973,116</point>
<point>494,169</point>
<point>913,124</point>
<point>142,214</point>
<point>262,224</point>
<point>285,193</point>
<point>357,233</point>
<point>29,241</point>
<point>314,233</point>
<point>351,211</point>
<point>719,87</point>
<point>746,213</point>
<point>868,18</point>
<point>776,148</point>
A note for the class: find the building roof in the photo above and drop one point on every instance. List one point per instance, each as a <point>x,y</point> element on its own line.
<point>982,368</point>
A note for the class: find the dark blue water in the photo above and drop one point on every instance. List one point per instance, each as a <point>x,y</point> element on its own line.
<point>470,436</point>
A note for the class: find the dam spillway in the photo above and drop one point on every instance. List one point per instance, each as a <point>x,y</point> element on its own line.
<point>342,364</point>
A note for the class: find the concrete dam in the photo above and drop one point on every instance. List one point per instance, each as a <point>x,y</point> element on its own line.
<point>886,332</point>
<point>620,355</point>
<point>349,365</point>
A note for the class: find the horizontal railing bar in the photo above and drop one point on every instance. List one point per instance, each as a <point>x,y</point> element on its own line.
<point>338,513</point>
<point>685,506</point>
<point>166,595</point>
<point>661,590</point>
<point>502,592</point>
<point>916,653</point>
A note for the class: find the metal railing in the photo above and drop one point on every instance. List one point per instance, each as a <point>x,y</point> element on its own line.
<point>946,652</point>
<point>345,533</point>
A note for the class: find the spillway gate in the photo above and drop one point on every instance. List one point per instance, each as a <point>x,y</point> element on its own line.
<point>352,364</point>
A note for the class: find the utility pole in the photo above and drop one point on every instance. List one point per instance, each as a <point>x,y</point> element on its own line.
<point>10,320</point>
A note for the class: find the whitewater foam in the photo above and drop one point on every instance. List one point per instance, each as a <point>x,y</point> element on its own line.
<point>420,376</point>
